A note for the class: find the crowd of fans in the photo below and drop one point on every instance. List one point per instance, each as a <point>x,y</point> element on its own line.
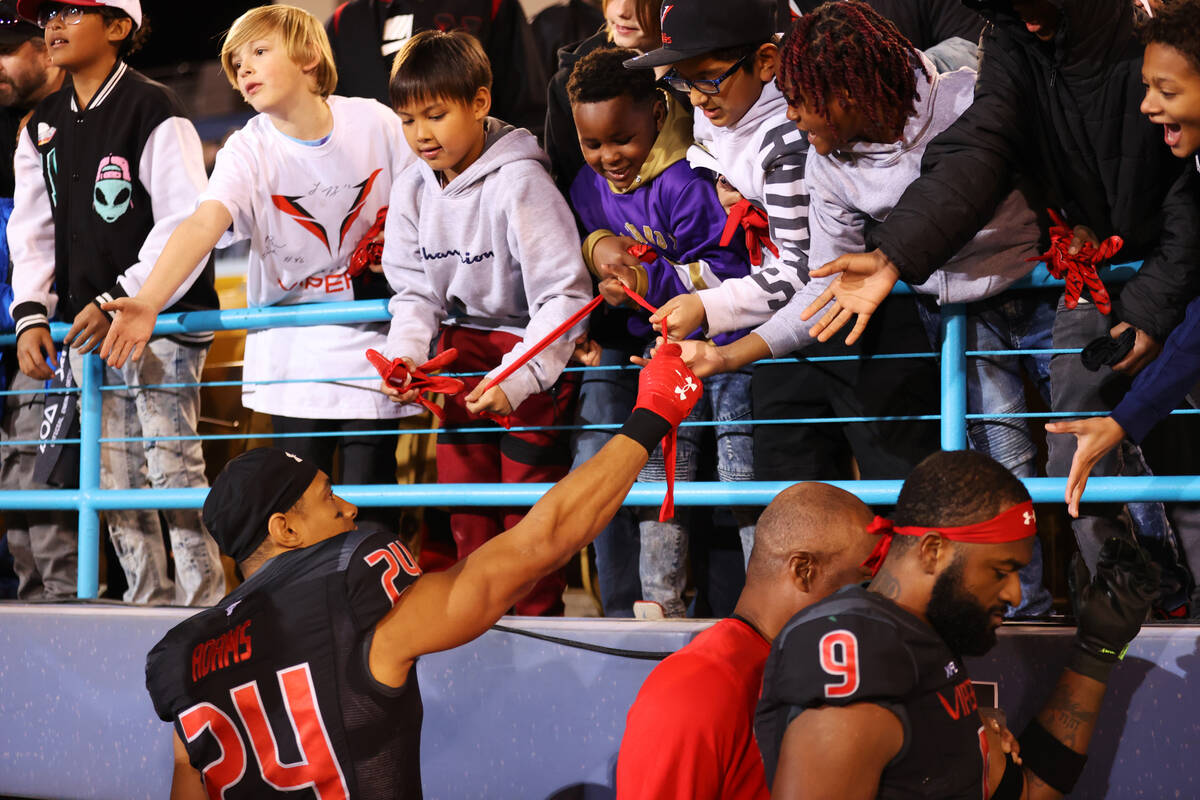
<point>760,173</point>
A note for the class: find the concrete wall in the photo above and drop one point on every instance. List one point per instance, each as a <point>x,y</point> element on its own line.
<point>512,717</point>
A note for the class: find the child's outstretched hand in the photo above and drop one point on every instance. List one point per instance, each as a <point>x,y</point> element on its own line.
<point>133,322</point>
<point>686,313</point>
<point>1096,436</point>
<point>493,401</point>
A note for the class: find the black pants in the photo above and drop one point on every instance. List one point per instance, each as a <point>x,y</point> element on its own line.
<point>366,457</point>
<point>859,388</point>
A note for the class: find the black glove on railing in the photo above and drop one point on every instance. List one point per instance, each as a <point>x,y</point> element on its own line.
<point>1110,606</point>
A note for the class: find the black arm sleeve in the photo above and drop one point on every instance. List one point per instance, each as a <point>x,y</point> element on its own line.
<point>1157,297</point>
<point>966,171</point>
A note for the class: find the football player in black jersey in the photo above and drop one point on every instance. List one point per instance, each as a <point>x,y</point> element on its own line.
<point>303,676</point>
<point>865,694</point>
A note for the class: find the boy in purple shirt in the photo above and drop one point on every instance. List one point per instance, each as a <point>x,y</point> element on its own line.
<point>641,190</point>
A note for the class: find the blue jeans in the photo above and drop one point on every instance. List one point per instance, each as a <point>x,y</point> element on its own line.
<point>663,562</point>
<point>1074,388</point>
<point>607,397</point>
<point>1020,320</point>
<point>152,414</point>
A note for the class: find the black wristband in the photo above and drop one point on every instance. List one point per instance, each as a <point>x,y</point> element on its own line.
<point>1049,759</point>
<point>1090,665</point>
<point>646,428</point>
<point>1011,783</point>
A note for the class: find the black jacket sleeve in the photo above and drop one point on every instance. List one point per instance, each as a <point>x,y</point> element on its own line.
<point>562,142</point>
<point>1156,299</point>
<point>965,173</point>
<point>518,80</point>
<point>945,19</point>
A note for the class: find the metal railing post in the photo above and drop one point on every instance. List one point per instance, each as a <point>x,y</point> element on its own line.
<point>954,377</point>
<point>90,379</point>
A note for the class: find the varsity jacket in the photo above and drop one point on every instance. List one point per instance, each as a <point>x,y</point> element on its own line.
<point>98,193</point>
<point>1066,115</point>
<point>673,209</point>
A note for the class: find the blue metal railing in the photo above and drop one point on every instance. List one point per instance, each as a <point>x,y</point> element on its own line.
<point>89,499</point>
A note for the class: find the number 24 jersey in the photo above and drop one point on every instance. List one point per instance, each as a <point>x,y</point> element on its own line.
<point>271,691</point>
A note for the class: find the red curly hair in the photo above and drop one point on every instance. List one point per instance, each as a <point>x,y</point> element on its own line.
<point>846,49</point>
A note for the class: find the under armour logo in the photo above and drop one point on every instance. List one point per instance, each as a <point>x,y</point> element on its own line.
<point>1029,518</point>
<point>688,386</point>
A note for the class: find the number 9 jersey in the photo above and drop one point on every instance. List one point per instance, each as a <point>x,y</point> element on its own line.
<point>271,692</point>
<point>857,646</point>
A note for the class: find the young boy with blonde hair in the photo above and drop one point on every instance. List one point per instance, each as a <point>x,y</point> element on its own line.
<point>302,181</point>
<point>105,168</point>
<point>483,255</point>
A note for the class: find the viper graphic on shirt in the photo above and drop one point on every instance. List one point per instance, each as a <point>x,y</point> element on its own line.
<point>290,205</point>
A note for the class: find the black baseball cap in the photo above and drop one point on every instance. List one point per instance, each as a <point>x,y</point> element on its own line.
<point>13,29</point>
<point>692,28</point>
<point>251,488</point>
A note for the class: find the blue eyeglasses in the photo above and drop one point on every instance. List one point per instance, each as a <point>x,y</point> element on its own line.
<point>709,86</point>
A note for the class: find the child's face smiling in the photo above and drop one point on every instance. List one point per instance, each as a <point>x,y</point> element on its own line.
<point>616,136</point>
<point>1172,97</point>
<point>267,77</point>
<point>447,134</point>
<point>738,92</point>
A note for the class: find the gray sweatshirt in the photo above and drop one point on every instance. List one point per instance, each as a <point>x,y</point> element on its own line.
<point>495,249</point>
<point>849,190</point>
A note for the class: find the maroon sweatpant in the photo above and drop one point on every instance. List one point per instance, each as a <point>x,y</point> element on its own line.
<point>490,455</point>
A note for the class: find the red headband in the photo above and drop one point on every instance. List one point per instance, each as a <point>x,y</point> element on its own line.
<point>1016,523</point>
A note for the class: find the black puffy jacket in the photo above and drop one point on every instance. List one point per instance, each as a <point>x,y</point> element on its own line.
<point>1064,114</point>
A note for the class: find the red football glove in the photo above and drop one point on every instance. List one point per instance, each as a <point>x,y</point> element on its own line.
<point>667,387</point>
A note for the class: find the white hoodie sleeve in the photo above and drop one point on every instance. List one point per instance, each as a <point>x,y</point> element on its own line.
<point>172,172</point>
<point>544,241</point>
<point>835,228</point>
<point>754,298</point>
<point>31,239</point>
<point>417,307</point>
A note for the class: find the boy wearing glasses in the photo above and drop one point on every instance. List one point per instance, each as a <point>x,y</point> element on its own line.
<point>725,56</point>
<point>105,168</point>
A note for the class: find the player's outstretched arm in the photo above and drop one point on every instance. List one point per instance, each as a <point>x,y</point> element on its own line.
<point>1110,608</point>
<point>445,609</point>
<point>134,316</point>
<point>837,752</point>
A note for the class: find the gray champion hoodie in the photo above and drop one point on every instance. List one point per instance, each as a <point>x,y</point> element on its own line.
<point>495,249</point>
<point>852,189</point>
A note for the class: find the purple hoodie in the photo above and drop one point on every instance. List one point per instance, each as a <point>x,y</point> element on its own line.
<point>675,210</point>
